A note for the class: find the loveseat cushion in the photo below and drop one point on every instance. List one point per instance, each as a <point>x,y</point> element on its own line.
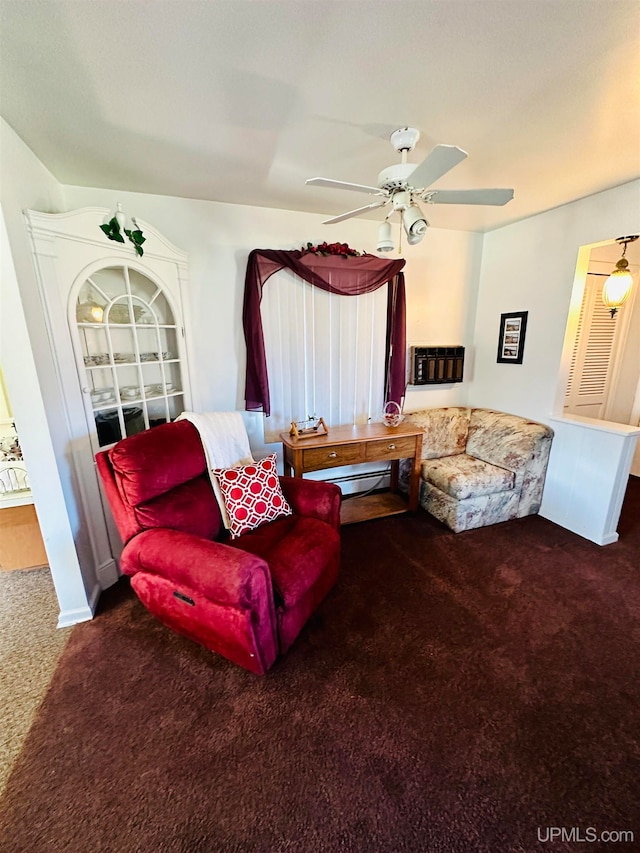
<point>445,430</point>
<point>463,476</point>
<point>506,440</point>
<point>297,550</point>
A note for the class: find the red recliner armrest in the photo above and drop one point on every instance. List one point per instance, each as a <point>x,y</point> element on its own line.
<point>222,574</point>
<point>218,596</point>
<point>313,498</point>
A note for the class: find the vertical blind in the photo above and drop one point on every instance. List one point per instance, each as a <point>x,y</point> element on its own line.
<point>325,353</point>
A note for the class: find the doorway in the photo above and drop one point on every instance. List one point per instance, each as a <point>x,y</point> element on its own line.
<point>603,377</point>
<point>21,545</point>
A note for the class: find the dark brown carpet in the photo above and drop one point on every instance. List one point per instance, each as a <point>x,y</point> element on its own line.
<point>454,693</point>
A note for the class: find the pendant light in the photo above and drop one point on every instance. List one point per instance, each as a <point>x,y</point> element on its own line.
<point>617,287</point>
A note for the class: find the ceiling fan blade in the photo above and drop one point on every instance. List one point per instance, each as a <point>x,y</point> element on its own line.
<point>435,165</point>
<point>356,212</point>
<point>467,196</point>
<point>344,185</point>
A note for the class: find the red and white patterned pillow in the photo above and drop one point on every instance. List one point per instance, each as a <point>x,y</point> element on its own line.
<point>252,495</point>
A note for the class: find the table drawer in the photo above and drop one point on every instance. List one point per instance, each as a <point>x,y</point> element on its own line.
<point>391,448</point>
<point>316,458</point>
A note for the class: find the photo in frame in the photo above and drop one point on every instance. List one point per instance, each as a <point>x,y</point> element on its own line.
<point>513,328</point>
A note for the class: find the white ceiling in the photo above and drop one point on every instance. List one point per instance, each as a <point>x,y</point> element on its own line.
<point>241,100</point>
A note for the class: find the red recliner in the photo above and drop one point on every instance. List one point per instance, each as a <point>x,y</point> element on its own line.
<point>246,598</point>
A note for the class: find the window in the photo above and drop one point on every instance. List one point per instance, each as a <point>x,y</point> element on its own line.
<point>325,353</point>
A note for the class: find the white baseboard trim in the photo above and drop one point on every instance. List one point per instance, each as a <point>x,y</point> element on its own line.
<point>107,574</point>
<point>604,539</point>
<point>73,617</point>
<point>66,618</point>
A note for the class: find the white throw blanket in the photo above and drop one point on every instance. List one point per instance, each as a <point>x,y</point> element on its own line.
<point>226,444</point>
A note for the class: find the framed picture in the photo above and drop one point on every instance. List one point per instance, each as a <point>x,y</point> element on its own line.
<point>513,327</point>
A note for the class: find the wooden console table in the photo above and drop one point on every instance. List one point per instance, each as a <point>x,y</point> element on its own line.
<point>350,445</point>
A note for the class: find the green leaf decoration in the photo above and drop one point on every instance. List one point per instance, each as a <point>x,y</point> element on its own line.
<point>136,238</point>
<point>112,230</point>
<point>135,235</point>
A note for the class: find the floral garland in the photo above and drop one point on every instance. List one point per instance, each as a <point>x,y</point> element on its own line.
<point>330,249</point>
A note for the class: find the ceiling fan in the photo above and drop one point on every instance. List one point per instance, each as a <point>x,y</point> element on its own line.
<point>404,184</point>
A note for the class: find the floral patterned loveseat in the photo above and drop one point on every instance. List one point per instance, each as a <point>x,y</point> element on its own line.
<point>480,466</point>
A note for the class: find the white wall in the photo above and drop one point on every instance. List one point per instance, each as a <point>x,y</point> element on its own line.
<point>5,406</point>
<point>620,406</point>
<point>525,266</point>
<point>441,278</point>
<point>25,355</point>
<point>530,266</point>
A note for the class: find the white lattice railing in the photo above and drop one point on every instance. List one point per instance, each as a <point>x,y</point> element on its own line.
<point>13,478</point>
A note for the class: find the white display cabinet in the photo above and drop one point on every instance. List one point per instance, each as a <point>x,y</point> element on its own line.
<point>117,323</point>
<point>128,343</point>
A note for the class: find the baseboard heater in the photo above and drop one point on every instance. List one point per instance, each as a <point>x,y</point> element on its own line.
<point>436,365</point>
<point>352,478</point>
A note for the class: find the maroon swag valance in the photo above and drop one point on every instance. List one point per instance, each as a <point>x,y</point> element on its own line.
<point>349,276</point>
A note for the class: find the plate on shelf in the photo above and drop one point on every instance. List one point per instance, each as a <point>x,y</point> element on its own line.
<point>96,360</point>
<point>102,395</point>
<point>129,392</point>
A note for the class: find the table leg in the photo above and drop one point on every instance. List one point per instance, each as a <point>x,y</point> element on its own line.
<point>414,485</point>
<point>286,465</point>
<point>393,482</point>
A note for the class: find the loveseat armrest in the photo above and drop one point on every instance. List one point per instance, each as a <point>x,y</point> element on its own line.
<point>313,498</point>
<point>214,570</point>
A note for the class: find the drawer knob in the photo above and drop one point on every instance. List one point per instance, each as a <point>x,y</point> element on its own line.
<point>333,455</point>
<point>392,447</point>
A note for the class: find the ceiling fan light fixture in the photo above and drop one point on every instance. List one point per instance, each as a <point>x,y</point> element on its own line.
<point>385,241</point>
<point>617,287</point>
<point>415,224</point>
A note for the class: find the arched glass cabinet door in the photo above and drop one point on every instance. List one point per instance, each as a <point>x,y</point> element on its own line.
<point>130,349</point>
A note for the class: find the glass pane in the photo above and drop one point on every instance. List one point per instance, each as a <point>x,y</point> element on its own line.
<point>171,377</point>
<point>169,341</point>
<point>149,294</point>
<point>95,345</point>
<point>101,390</point>
<point>152,380</point>
<point>133,420</point>
<point>119,311</point>
<point>128,380</point>
<point>106,284</point>
<point>122,343</point>
<point>157,411</point>
<point>150,343</point>
<point>91,302</point>
<point>176,406</point>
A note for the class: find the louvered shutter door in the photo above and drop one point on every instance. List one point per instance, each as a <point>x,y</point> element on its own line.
<point>591,358</point>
